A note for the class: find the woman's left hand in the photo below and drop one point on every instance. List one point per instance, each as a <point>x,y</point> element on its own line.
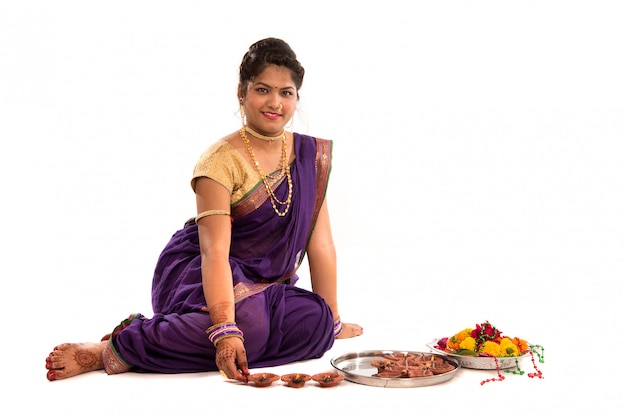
<point>350,330</point>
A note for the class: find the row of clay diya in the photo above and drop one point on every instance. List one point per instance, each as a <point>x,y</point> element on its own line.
<point>408,365</point>
<point>295,380</point>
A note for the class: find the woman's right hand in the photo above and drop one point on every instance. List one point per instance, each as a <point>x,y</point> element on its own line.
<point>231,359</point>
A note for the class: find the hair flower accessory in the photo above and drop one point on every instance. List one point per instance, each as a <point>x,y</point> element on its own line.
<point>485,340</point>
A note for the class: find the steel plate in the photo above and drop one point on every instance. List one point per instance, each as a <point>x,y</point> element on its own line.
<point>356,367</point>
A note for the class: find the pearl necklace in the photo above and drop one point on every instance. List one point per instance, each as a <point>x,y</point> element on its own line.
<point>284,170</point>
<point>263,137</point>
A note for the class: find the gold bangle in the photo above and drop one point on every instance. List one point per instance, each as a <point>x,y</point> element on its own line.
<point>211,212</point>
<point>221,324</point>
<point>218,339</point>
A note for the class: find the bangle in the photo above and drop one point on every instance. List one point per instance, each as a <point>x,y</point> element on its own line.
<point>211,212</point>
<point>337,328</point>
<point>218,332</point>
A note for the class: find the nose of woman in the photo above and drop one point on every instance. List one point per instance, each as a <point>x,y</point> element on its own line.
<point>274,102</point>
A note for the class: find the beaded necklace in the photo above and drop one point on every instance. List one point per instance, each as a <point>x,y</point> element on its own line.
<point>284,170</point>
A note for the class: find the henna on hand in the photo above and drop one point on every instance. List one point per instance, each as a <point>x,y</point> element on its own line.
<point>222,312</point>
<point>231,353</point>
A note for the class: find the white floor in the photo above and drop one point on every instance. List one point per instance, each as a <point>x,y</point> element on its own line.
<point>395,317</point>
<point>479,174</point>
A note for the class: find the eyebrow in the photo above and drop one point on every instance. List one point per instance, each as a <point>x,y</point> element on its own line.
<point>271,87</point>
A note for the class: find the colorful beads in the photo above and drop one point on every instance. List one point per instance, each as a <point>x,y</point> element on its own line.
<point>500,375</point>
<point>539,373</point>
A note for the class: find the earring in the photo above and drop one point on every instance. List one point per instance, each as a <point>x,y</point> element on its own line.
<point>242,112</point>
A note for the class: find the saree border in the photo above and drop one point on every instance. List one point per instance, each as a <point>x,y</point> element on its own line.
<point>257,197</point>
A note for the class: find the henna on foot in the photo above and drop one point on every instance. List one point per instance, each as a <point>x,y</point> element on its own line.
<point>68,360</point>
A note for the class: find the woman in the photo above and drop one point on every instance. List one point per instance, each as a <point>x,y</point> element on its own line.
<point>224,294</point>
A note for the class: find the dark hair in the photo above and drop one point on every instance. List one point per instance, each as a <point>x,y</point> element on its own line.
<point>264,53</point>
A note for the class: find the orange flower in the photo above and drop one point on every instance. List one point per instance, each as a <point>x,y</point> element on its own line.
<point>455,341</point>
<point>521,344</point>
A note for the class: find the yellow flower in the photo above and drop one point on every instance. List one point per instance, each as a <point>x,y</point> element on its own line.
<point>455,341</point>
<point>508,348</point>
<point>468,344</point>
<point>492,348</point>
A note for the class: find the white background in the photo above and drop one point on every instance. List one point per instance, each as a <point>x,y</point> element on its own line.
<point>479,174</point>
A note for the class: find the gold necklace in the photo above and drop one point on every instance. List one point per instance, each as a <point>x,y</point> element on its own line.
<point>263,137</point>
<point>284,170</point>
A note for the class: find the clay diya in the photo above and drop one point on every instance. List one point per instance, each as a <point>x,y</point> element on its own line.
<point>295,380</point>
<point>327,380</point>
<point>382,365</point>
<point>399,357</point>
<point>442,368</point>
<point>263,379</point>
<point>405,373</point>
<point>426,361</point>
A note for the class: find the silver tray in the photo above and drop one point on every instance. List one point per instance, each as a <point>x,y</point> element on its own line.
<point>356,367</point>
<point>481,363</point>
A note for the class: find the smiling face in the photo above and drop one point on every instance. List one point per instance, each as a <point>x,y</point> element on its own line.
<point>270,100</point>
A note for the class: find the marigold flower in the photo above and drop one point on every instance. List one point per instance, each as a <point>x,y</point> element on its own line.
<point>455,341</point>
<point>491,348</point>
<point>468,344</point>
<point>484,339</point>
<point>508,348</point>
<point>521,344</point>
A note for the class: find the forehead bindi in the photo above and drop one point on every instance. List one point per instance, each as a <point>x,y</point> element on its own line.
<point>274,77</point>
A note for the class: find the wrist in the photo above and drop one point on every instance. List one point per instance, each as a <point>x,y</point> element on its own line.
<point>222,330</point>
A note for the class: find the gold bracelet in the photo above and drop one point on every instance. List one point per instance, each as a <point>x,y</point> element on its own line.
<point>221,324</point>
<point>219,339</point>
<point>211,212</point>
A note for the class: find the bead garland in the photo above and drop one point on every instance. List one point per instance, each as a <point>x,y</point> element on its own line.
<point>517,370</point>
<point>284,170</point>
<point>500,375</point>
<point>482,337</point>
<point>538,373</point>
<point>533,350</point>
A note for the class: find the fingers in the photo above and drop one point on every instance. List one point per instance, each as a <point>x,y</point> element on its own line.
<point>230,352</point>
<point>242,361</point>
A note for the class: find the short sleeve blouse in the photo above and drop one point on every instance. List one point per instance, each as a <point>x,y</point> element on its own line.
<point>224,164</point>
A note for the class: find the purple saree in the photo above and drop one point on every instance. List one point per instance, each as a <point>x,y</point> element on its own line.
<point>281,322</point>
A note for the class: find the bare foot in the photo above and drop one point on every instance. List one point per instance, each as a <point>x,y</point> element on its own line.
<point>350,330</point>
<point>67,360</point>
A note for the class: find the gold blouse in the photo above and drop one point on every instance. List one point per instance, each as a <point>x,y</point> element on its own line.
<point>224,164</point>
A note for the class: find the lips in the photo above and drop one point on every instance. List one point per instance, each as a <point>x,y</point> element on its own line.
<point>271,115</point>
